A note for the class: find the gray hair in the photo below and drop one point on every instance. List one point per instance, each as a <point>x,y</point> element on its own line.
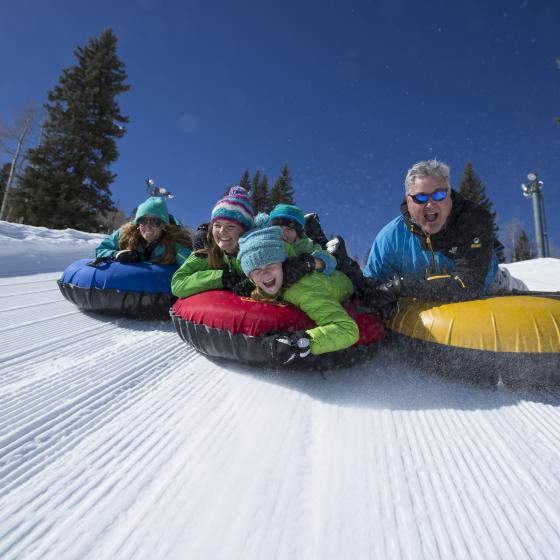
<point>429,168</point>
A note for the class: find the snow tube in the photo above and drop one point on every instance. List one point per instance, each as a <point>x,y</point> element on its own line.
<point>221,324</point>
<point>136,290</point>
<point>512,339</point>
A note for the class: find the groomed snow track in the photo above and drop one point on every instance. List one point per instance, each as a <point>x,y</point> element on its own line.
<point>119,441</point>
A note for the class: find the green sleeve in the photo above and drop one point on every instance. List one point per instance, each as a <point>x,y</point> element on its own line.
<point>109,246</point>
<point>194,276</point>
<point>306,245</point>
<point>320,297</point>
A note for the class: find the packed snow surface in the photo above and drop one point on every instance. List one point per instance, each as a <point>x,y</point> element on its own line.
<point>118,441</point>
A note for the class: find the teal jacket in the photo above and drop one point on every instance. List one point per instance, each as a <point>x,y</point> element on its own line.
<point>110,245</point>
<point>320,298</point>
<point>195,276</point>
<point>305,245</point>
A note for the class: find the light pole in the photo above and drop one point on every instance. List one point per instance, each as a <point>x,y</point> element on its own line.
<point>533,190</point>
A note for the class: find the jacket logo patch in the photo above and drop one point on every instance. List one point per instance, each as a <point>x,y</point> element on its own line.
<point>453,250</point>
<point>476,244</point>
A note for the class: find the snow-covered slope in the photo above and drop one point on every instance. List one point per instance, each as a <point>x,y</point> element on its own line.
<point>119,441</point>
<point>28,249</point>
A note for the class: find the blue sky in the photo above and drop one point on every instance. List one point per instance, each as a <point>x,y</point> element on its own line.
<point>349,93</point>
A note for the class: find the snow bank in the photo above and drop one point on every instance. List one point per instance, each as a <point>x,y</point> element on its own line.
<point>30,250</point>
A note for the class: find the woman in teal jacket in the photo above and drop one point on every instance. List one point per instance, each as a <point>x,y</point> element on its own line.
<point>153,236</point>
<point>215,266</point>
<point>261,254</point>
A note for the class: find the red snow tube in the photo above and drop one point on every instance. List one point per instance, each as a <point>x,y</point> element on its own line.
<point>223,325</point>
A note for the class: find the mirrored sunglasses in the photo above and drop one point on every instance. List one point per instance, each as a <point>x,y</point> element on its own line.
<point>149,221</point>
<point>436,196</point>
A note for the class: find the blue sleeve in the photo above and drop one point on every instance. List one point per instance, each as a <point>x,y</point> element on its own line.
<point>109,246</point>
<point>182,253</point>
<point>379,261</point>
<point>328,260</point>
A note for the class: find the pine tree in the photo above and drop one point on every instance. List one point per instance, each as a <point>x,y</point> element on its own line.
<point>245,180</point>
<point>522,250</point>
<point>67,182</point>
<point>282,191</point>
<point>472,189</point>
<point>259,192</point>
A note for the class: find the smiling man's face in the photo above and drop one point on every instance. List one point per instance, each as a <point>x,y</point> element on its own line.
<point>432,215</point>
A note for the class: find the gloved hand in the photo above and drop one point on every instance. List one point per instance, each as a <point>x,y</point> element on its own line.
<point>243,288</point>
<point>379,295</point>
<point>286,347</point>
<point>200,237</point>
<point>337,248</point>
<point>230,278</point>
<point>127,256</point>
<point>295,268</point>
<point>313,229</point>
<point>438,287</point>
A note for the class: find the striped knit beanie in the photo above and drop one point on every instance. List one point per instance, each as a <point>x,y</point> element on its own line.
<point>234,207</point>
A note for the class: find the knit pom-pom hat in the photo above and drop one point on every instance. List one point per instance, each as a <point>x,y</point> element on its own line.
<point>153,206</point>
<point>234,207</point>
<point>288,212</point>
<point>261,246</point>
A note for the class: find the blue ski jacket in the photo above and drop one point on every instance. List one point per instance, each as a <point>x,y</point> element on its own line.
<point>464,248</point>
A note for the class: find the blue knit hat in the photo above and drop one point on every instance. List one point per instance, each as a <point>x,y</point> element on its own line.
<point>288,212</point>
<point>153,206</point>
<point>234,207</point>
<point>261,246</point>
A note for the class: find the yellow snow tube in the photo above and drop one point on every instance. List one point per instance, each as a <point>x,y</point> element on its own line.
<point>510,339</point>
<point>509,324</point>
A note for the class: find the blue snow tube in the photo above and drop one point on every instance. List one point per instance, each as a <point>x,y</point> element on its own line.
<point>136,290</point>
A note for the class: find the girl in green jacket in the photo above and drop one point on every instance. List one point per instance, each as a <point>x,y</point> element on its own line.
<point>261,254</point>
<point>215,266</point>
<point>292,221</point>
<point>153,236</point>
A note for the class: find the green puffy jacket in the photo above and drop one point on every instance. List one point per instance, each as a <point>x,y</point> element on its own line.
<point>320,297</point>
<point>110,245</point>
<point>195,276</point>
<point>305,245</point>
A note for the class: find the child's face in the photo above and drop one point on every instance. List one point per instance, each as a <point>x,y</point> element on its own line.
<point>289,234</point>
<point>226,235</point>
<point>269,278</point>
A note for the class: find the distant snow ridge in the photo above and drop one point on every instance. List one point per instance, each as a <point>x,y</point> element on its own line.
<point>29,249</point>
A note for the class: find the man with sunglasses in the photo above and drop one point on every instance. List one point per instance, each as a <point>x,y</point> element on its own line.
<point>441,247</point>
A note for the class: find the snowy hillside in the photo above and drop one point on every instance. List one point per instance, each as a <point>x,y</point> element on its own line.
<point>118,441</point>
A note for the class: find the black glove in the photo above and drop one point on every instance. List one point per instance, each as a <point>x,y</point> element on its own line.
<point>230,278</point>
<point>377,295</point>
<point>200,237</point>
<point>243,288</point>
<point>337,248</point>
<point>295,268</point>
<point>284,348</point>
<point>127,256</point>
<point>314,231</point>
<point>438,287</point>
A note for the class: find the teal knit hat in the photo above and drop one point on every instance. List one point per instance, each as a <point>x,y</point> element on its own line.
<point>153,206</point>
<point>288,212</point>
<point>261,246</point>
